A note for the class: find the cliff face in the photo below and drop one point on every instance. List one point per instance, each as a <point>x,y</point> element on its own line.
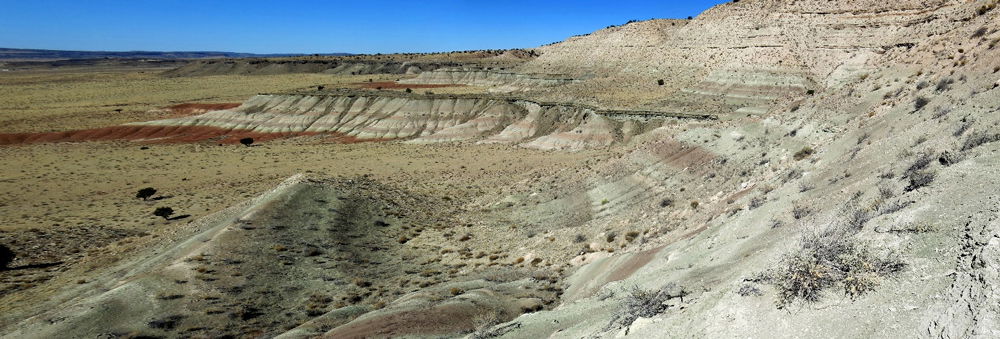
<point>418,119</point>
<point>751,54</point>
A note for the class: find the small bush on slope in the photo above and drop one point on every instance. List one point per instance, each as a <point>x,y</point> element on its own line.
<point>830,258</point>
<point>805,152</point>
<point>6,256</point>
<point>640,303</point>
<point>920,103</point>
<point>919,179</point>
<point>978,139</point>
<point>920,163</point>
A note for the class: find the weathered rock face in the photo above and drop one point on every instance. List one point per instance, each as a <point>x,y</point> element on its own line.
<point>497,81</point>
<point>419,119</point>
<point>745,56</point>
<point>362,117</point>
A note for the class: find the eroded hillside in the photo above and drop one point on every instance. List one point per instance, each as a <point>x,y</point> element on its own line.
<point>767,169</point>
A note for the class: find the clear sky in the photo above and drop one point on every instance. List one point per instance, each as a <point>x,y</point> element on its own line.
<point>358,26</point>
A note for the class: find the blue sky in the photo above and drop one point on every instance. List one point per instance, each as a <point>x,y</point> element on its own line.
<point>358,26</point>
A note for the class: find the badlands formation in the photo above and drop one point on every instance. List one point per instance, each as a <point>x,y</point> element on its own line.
<point>769,168</point>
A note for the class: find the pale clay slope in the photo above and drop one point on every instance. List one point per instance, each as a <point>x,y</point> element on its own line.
<point>756,58</point>
<point>946,289</point>
<point>423,120</point>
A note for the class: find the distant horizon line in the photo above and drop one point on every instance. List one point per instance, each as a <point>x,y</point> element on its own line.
<point>11,50</point>
<point>8,49</point>
<point>2,49</point>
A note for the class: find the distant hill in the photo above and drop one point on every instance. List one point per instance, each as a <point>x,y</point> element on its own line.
<point>45,54</point>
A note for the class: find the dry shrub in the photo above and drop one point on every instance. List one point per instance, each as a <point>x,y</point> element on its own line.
<point>858,217</point>
<point>803,153</point>
<point>800,211</point>
<point>630,236</point>
<point>920,103</point>
<point>949,158</point>
<point>893,207</point>
<point>919,179</point>
<point>914,228</point>
<point>831,257</point>
<point>747,290</point>
<point>804,187</point>
<point>978,139</point>
<point>944,84</point>
<point>963,127</point>
<point>484,320</point>
<point>923,160</point>
<point>640,303</point>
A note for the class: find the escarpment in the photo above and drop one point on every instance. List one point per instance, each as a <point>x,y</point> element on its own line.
<point>496,80</point>
<point>372,116</point>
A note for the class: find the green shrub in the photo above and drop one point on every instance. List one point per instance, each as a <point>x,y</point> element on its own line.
<point>164,212</point>
<point>6,256</point>
<point>145,193</point>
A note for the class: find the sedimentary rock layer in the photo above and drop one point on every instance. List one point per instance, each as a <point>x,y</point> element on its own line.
<point>377,117</point>
<point>498,80</point>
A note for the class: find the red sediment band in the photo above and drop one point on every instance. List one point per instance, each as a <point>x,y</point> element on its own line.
<point>163,134</point>
<point>393,84</point>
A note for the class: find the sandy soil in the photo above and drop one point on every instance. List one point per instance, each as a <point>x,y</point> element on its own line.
<point>70,208</point>
<point>45,100</point>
